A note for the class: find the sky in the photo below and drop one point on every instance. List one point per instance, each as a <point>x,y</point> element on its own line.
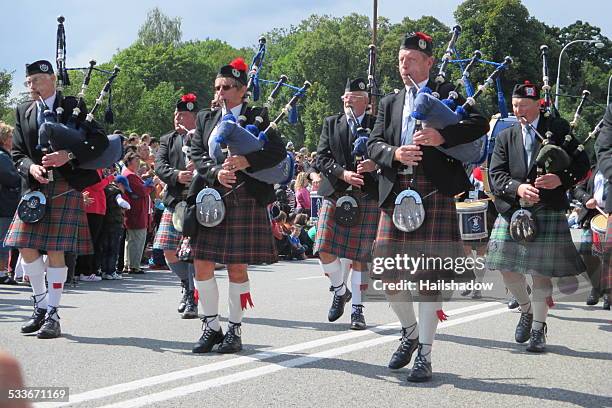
<point>97,29</point>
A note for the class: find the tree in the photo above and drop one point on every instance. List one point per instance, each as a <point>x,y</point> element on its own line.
<point>158,28</point>
<point>5,92</point>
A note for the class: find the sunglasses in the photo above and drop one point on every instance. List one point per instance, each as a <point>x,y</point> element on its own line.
<point>224,87</point>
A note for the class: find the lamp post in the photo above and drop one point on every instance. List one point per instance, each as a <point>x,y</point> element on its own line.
<point>598,44</point>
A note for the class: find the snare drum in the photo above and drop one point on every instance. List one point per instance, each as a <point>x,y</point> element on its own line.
<point>599,224</point>
<point>472,219</point>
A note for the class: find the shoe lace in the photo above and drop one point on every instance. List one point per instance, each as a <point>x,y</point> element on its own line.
<point>36,299</point>
<point>420,362</point>
<point>357,310</point>
<point>233,331</point>
<point>52,314</point>
<point>337,298</point>
<point>405,341</point>
<point>525,320</point>
<point>538,335</point>
<point>207,330</point>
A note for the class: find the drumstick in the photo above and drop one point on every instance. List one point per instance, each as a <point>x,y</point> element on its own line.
<point>601,211</point>
<point>460,194</point>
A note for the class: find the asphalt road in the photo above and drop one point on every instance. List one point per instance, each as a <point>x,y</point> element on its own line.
<point>124,345</point>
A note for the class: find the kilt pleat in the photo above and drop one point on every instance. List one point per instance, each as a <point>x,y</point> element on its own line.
<point>243,237</point>
<point>437,237</point>
<point>64,227</point>
<point>551,254</point>
<point>167,237</point>
<point>353,243</point>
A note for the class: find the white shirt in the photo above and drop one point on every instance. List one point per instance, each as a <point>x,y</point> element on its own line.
<point>50,101</point>
<point>235,111</point>
<point>407,120</point>
<point>598,188</point>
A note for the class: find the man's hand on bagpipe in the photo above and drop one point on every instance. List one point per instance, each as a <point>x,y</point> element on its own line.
<point>55,159</point>
<point>227,178</point>
<point>428,137</point>
<point>529,193</point>
<point>39,173</point>
<point>352,178</point>
<point>548,181</point>
<point>366,166</point>
<point>235,163</point>
<point>410,155</point>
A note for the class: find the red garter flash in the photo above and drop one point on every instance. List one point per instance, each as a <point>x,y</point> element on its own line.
<point>441,315</point>
<point>245,298</point>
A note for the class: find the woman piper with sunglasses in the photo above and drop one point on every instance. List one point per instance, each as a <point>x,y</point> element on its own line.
<point>244,236</point>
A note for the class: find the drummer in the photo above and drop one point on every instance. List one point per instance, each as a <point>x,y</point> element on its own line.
<point>516,185</point>
<point>475,246</point>
<point>591,193</point>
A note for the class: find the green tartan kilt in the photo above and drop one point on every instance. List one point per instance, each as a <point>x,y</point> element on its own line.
<point>551,254</point>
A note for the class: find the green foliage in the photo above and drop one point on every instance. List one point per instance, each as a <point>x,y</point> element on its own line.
<point>326,50</point>
<point>5,91</point>
<point>159,29</point>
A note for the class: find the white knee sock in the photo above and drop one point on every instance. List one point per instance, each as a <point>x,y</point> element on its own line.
<point>36,272</point>
<point>517,285</point>
<point>541,290</point>
<point>19,267</point>
<point>403,306</point>
<point>334,271</point>
<point>345,265</point>
<point>239,300</point>
<point>357,286</point>
<point>209,300</point>
<point>428,324</point>
<point>56,278</point>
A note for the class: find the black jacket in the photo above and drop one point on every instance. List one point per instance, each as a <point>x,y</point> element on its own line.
<point>508,169</point>
<point>25,140</point>
<point>10,183</point>
<point>583,192</point>
<point>334,156</point>
<point>270,156</point>
<point>603,149</point>
<point>169,160</point>
<point>446,173</point>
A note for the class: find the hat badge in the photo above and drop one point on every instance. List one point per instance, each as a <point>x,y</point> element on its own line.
<point>189,105</point>
<point>361,86</point>
<point>44,67</point>
<point>422,44</point>
<point>235,73</point>
<point>529,91</point>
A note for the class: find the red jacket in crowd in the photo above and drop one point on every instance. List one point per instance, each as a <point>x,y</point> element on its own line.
<point>96,192</point>
<point>138,216</point>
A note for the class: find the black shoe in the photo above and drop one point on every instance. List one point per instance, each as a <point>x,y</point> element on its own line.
<point>232,342</point>
<point>51,327</point>
<point>7,280</point>
<point>523,328</point>
<point>36,321</point>
<point>477,294</point>
<point>38,317</point>
<point>209,337</point>
<point>513,303</point>
<point>606,301</point>
<point>421,370</point>
<point>183,302</point>
<point>466,292</point>
<point>593,298</point>
<point>337,308</point>
<point>403,354</point>
<point>537,343</point>
<point>357,318</point>
<point>191,308</point>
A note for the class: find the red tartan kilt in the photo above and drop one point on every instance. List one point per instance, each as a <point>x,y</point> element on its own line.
<point>244,236</point>
<point>167,237</point>
<point>64,227</point>
<point>438,236</point>
<point>353,243</point>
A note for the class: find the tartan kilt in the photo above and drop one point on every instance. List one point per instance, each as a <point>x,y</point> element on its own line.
<point>437,237</point>
<point>551,254</point>
<point>353,243</point>
<point>243,237</point>
<point>167,237</point>
<point>64,227</point>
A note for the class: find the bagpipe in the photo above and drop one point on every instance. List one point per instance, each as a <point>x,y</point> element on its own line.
<point>432,112</point>
<point>233,139</point>
<point>233,136</point>
<point>55,136</point>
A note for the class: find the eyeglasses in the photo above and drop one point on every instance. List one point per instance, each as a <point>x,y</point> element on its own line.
<point>224,87</point>
<point>34,81</point>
